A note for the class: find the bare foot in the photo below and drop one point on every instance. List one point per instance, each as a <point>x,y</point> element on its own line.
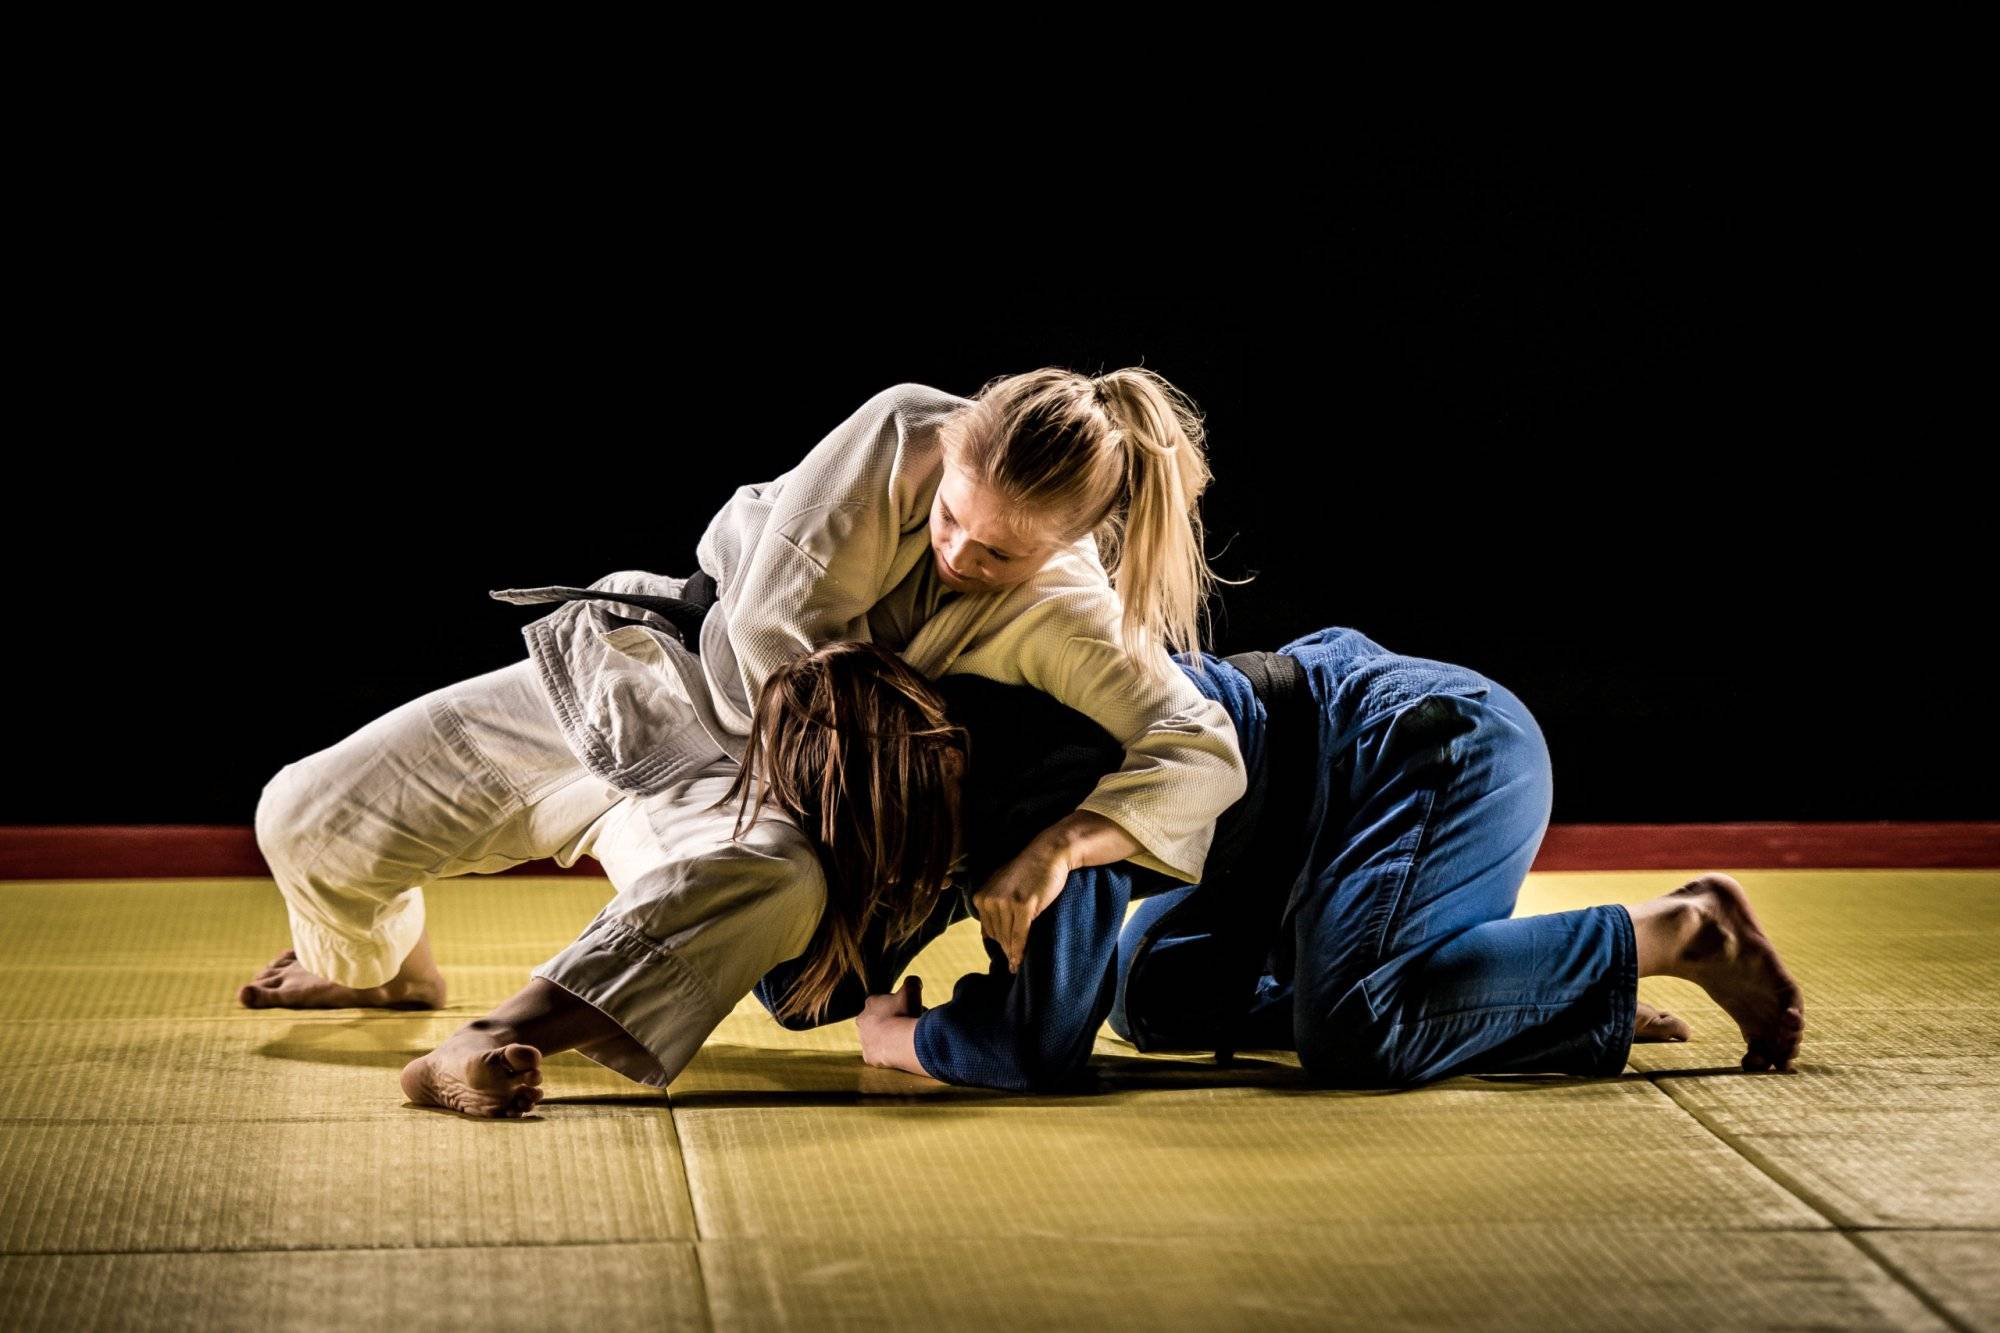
<point>1727,955</point>
<point>1659,1025</point>
<point>479,1072</point>
<point>285,984</point>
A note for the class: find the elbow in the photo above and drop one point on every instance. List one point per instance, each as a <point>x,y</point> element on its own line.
<point>1048,1061</point>
<point>1237,759</point>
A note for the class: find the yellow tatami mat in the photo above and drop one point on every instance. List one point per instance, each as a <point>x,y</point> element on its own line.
<point>1542,1276</point>
<point>1890,1118</point>
<point>169,1159</point>
<point>601,1287</point>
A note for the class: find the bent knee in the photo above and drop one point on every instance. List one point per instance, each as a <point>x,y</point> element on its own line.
<point>282,816</point>
<point>1352,1058</point>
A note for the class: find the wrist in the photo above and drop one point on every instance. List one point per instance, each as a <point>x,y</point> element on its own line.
<point>1057,846</point>
<point>893,1043</point>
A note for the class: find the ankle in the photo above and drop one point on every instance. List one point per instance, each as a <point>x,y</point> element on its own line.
<point>417,979</point>
<point>1665,928</point>
<point>412,988</point>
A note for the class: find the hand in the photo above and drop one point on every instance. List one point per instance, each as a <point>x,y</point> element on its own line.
<point>881,1025</point>
<point>1019,892</point>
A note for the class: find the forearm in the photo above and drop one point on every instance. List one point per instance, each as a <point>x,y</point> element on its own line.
<point>1085,838</point>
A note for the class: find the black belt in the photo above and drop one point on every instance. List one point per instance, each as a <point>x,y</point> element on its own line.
<point>1265,874</point>
<point>685,613</point>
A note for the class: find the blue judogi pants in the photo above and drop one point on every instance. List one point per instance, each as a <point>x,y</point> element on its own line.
<point>1405,964</point>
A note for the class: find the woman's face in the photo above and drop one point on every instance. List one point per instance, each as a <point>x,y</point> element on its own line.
<point>975,542</point>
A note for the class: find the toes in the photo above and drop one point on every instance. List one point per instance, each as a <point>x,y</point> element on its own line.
<point>1650,1024</point>
<point>519,1058</point>
<point>250,997</point>
<point>1661,1027</point>
<point>513,1066</point>
<point>1766,1057</point>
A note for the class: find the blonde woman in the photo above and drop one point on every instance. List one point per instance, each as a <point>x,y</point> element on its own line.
<point>1044,532</point>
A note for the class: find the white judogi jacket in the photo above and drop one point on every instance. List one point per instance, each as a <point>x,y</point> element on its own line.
<point>839,548</point>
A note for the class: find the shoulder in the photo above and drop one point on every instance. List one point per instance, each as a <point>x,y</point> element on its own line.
<point>873,473</point>
<point>918,402</point>
<point>913,415</point>
<point>899,417</point>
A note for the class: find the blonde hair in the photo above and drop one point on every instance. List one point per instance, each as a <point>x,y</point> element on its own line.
<point>1120,456</point>
<point>852,743</point>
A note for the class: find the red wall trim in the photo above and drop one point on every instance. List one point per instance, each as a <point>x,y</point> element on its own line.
<point>160,851</point>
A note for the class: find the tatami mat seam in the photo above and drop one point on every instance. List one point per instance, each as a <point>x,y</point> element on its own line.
<point>361,1249</point>
<point>1859,1240</point>
<point>694,1214</point>
<point>1843,1226</point>
<point>1248,1234</point>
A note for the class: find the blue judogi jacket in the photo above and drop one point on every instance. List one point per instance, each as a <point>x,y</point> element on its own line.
<point>1032,761</point>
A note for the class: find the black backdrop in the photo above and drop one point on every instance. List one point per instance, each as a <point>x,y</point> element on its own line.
<point>1662,455</point>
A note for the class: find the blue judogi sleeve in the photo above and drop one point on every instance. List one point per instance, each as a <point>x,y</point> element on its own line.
<point>1033,1030</point>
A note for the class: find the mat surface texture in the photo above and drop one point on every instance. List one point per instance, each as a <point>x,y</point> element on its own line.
<point>169,1159</point>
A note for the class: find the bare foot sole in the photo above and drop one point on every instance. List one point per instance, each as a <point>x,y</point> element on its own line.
<point>285,984</point>
<point>477,1073</point>
<point>1730,958</point>
<point>1659,1025</point>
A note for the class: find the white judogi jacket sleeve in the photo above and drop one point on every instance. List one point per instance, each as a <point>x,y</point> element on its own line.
<point>799,561</point>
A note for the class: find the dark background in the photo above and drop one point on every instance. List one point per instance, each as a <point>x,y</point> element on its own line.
<point>1660,450</point>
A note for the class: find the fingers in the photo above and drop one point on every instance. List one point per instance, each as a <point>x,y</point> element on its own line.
<point>1007,932</point>
<point>1015,942</point>
<point>1005,921</point>
<point>994,925</point>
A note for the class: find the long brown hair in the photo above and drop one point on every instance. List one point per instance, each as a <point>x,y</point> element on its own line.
<point>853,744</point>
<point>1121,456</point>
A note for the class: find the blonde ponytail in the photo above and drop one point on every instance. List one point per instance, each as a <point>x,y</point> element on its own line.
<point>1156,559</point>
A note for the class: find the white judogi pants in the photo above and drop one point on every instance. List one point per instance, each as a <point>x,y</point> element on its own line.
<point>478,776</point>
